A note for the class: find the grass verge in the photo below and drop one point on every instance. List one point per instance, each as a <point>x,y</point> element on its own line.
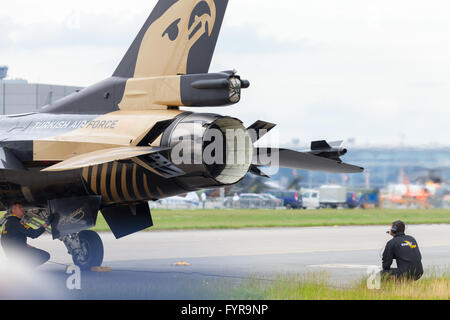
<point>236,219</point>
<point>317,287</point>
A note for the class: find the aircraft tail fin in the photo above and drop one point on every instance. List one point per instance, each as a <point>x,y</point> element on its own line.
<point>179,37</point>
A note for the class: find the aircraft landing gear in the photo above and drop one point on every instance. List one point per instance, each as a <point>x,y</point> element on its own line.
<point>86,249</point>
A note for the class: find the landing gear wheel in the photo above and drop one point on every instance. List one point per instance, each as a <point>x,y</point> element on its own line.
<point>91,252</point>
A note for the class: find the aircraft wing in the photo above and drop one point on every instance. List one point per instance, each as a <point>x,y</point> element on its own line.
<point>286,158</point>
<point>103,156</point>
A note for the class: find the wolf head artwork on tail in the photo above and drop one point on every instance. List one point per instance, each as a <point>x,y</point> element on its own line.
<point>178,38</point>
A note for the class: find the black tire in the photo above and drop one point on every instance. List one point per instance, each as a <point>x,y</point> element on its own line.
<point>93,246</point>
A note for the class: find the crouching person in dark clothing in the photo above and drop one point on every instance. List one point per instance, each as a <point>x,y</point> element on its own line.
<point>14,240</point>
<point>405,250</point>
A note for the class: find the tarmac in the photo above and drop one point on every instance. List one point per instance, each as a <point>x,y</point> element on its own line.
<point>197,265</point>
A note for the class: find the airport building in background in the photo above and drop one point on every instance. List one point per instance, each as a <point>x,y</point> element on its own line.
<point>383,166</point>
<point>18,96</point>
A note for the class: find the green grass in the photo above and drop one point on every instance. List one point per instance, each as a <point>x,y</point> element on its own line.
<point>318,287</point>
<point>236,219</point>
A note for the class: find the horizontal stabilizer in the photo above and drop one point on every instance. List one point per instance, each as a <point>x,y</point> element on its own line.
<point>103,156</point>
<point>285,158</point>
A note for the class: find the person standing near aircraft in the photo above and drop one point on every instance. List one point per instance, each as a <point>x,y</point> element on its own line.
<point>405,250</point>
<point>236,200</point>
<point>14,239</point>
<point>203,196</point>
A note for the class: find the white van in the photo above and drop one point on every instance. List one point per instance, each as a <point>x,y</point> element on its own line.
<point>333,196</point>
<point>310,199</point>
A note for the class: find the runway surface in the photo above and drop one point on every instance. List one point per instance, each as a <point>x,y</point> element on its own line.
<point>143,264</point>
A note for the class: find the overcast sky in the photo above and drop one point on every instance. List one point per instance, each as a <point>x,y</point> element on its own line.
<point>377,71</point>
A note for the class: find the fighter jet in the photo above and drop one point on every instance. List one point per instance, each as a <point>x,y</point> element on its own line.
<point>118,144</point>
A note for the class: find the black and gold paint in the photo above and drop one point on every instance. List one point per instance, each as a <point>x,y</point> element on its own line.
<point>126,182</point>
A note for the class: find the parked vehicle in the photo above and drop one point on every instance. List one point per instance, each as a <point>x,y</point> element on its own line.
<point>228,202</point>
<point>446,202</point>
<point>188,201</point>
<point>310,198</point>
<point>353,200</point>
<point>271,201</point>
<point>291,199</point>
<point>251,200</point>
<point>369,199</point>
<point>333,196</point>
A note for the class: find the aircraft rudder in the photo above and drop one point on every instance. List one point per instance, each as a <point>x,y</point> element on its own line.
<point>179,37</point>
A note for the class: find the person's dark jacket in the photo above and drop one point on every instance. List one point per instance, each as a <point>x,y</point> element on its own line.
<point>406,251</point>
<point>15,234</point>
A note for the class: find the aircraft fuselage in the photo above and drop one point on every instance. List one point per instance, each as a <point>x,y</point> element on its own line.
<point>39,140</point>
